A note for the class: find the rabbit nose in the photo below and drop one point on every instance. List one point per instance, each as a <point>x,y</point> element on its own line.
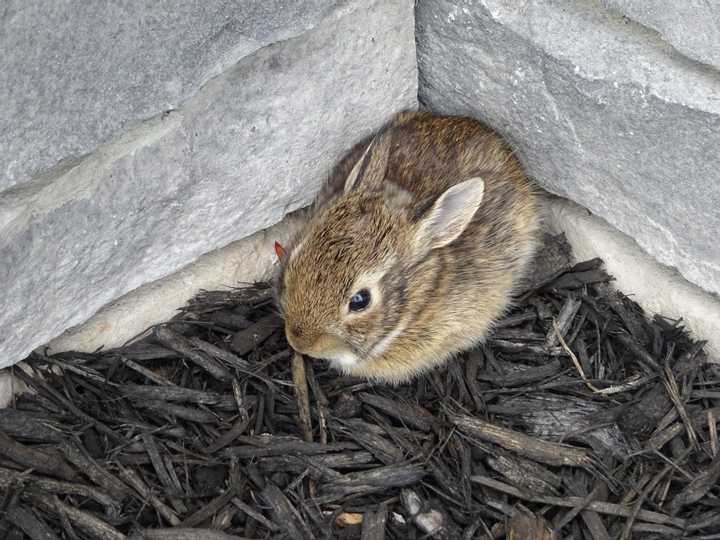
<point>295,336</point>
<point>296,331</point>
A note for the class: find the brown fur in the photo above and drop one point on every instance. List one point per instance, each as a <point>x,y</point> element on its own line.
<point>436,303</point>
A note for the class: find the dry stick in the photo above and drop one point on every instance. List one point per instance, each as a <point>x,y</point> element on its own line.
<point>258,446</point>
<point>82,372</point>
<point>173,393</point>
<point>91,525</point>
<point>572,514</point>
<point>177,486</point>
<point>10,478</point>
<point>372,481</point>
<point>302,395</point>
<point>373,527</point>
<point>574,359</point>
<point>540,450</point>
<point>286,513</point>
<point>76,455</point>
<point>46,462</point>
<point>187,349</point>
<point>226,356</point>
<point>145,372</point>
<point>641,354</point>
<point>188,534</point>
<point>675,466</point>
<point>565,318</point>
<point>153,452</point>
<point>666,420</point>
<point>136,482</point>
<point>67,527</point>
<point>674,392</point>
<point>667,532</point>
<point>27,522</point>
<point>712,428</point>
<point>237,429</point>
<point>190,414</point>
<point>412,415</point>
<point>627,530</point>
<point>593,522</point>
<point>661,438</point>
<point>209,509</point>
<point>632,382</point>
<point>570,502</point>
<point>247,340</point>
<point>660,501</point>
<point>323,411</point>
<point>698,487</point>
<point>238,394</point>
<point>595,525</point>
<point>257,516</point>
<point>30,427</point>
<point>704,522</point>
<point>38,384</point>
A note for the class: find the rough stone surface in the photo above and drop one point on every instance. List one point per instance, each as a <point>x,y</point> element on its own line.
<point>601,110</point>
<point>690,26</point>
<point>244,261</point>
<point>75,73</point>
<point>252,144</point>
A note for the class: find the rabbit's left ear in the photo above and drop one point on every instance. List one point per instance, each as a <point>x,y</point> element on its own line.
<point>450,215</point>
<point>370,168</point>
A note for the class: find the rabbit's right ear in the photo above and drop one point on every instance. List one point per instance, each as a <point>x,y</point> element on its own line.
<point>450,215</point>
<point>370,168</point>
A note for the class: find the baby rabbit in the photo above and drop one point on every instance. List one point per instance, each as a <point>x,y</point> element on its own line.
<point>414,247</point>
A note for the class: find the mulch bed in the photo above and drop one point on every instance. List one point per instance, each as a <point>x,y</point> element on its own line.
<point>580,417</point>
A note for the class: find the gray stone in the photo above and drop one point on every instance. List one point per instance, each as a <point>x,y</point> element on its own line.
<point>600,109</point>
<point>75,73</point>
<point>252,144</point>
<point>691,26</point>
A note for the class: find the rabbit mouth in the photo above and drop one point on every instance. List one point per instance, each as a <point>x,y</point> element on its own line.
<point>342,359</point>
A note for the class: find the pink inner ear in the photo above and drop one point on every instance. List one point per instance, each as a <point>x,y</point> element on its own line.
<point>279,251</point>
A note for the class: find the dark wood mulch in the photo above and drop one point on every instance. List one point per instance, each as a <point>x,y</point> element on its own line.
<point>580,418</point>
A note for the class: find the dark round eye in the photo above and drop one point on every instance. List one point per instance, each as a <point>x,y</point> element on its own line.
<point>360,300</point>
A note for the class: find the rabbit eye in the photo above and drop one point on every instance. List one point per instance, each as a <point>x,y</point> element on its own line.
<point>360,300</point>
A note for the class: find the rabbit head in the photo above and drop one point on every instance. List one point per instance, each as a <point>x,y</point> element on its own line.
<point>363,266</point>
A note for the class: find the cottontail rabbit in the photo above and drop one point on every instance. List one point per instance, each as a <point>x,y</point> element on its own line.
<point>414,247</point>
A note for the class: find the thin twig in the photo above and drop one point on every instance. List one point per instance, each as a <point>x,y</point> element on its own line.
<point>575,360</point>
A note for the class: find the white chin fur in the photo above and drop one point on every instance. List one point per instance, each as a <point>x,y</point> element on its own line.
<point>342,360</point>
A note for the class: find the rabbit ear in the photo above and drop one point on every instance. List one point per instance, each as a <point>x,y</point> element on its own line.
<point>280,252</point>
<point>370,168</point>
<point>450,214</point>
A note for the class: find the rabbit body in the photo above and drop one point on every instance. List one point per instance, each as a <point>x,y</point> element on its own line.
<point>414,247</point>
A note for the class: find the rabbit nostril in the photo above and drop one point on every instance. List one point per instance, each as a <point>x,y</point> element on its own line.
<point>296,331</point>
